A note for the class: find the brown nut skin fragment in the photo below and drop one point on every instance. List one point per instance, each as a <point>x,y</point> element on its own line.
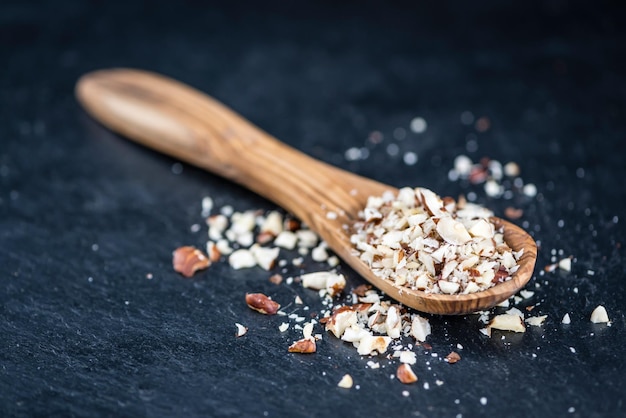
<point>453,357</point>
<point>187,260</point>
<point>304,346</point>
<point>261,303</point>
<point>405,374</point>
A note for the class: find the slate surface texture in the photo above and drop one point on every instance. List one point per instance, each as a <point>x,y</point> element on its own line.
<point>86,216</point>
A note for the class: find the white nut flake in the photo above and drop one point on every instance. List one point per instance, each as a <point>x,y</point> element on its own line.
<point>420,328</point>
<point>566,319</point>
<point>599,315</point>
<point>241,330</point>
<point>333,283</point>
<point>242,259</point>
<point>508,322</point>
<point>346,382</point>
<point>421,241</point>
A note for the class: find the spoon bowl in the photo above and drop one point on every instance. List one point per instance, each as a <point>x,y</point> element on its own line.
<point>180,121</point>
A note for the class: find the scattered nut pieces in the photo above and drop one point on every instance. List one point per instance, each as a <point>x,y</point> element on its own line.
<point>405,374</point>
<point>242,259</point>
<point>340,320</point>
<point>566,319</point>
<point>307,330</point>
<point>241,330</point>
<point>371,344</point>
<point>187,260</point>
<point>261,303</point>
<point>415,239</point>
<point>346,382</point>
<point>286,240</point>
<point>453,357</point>
<point>599,315</point>
<point>566,264</point>
<point>272,224</point>
<point>304,346</point>
<point>420,328</point>
<point>406,356</point>
<point>333,283</point>
<point>265,257</point>
<point>507,322</point>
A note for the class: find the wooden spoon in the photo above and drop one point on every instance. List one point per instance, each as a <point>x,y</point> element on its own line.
<point>182,122</point>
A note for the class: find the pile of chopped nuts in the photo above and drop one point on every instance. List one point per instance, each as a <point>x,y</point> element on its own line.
<point>252,239</point>
<point>415,239</point>
<point>430,228</point>
<point>418,240</point>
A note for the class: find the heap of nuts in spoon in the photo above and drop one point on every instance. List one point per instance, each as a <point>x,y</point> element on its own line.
<point>419,240</point>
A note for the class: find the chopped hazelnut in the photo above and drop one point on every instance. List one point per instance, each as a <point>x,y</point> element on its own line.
<point>508,322</point>
<point>453,357</point>
<point>242,259</point>
<point>261,303</point>
<point>304,346</point>
<point>187,260</point>
<point>599,315</point>
<point>346,382</point>
<point>241,330</point>
<point>420,328</point>
<point>405,374</point>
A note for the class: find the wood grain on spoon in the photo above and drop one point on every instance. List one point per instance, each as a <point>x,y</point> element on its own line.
<point>180,121</point>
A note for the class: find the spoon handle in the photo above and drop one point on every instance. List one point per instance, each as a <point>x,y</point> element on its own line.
<point>180,121</point>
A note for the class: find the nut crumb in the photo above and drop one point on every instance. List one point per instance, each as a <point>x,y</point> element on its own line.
<point>453,357</point>
<point>405,374</point>
<point>346,382</point>
<point>566,264</point>
<point>508,322</point>
<point>187,260</point>
<point>304,346</point>
<point>241,330</point>
<point>599,315</point>
<point>261,303</point>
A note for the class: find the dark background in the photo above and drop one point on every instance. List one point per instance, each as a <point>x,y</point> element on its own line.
<point>85,215</point>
